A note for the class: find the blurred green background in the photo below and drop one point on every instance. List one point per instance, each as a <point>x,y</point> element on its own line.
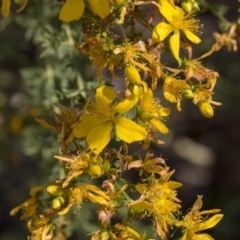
<point>39,67</point>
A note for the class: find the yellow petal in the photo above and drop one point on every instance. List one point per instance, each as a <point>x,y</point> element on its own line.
<point>99,136</point>
<point>100,7</point>
<point>211,222</point>
<point>174,43</point>
<point>159,125</point>
<point>129,131</point>
<point>6,4</point>
<point>164,112</point>
<point>133,76</point>
<point>167,10</point>
<point>192,37</point>
<point>126,104</point>
<point>202,237</point>
<point>185,236</point>
<point>96,199</point>
<point>167,90</point>
<point>146,99</point>
<point>71,10</point>
<point>84,125</point>
<point>170,97</point>
<point>105,95</point>
<point>161,31</point>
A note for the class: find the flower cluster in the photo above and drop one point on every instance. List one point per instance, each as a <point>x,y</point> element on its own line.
<point>135,114</point>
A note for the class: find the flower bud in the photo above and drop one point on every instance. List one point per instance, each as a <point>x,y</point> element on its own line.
<point>206,109</point>
<point>146,145</point>
<point>106,166</point>
<point>95,171</point>
<point>104,235</point>
<point>133,75</point>
<point>146,116</point>
<point>187,7</point>
<point>54,190</point>
<point>58,202</point>
<point>195,6</point>
<point>100,7</point>
<point>188,93</point>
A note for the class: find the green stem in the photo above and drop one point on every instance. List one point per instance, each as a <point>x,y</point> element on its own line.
<point>118,186</point>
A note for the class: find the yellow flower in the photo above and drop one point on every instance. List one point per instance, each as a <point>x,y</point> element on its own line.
<point>151,111</point>
<point>172,90</point>
<point>73,9</point>
<point>178,21</point>
<point>159,198</point>
<point>193,222</point>
<point>96,125</point>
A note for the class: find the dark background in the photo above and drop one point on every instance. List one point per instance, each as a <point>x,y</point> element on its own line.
<point>204,152</point>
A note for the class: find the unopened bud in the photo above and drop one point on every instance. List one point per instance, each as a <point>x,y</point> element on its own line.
<point>146,116</point>
<point>104,235</point>
<point>54,190</point>
<point>95,171</point>
<point>58,202</point>
<point>188,93</point>
<point>133,75</point>
<point>206,109</point>
<point>106,166</point>
<point>186,6</point>
<point>146,145</point>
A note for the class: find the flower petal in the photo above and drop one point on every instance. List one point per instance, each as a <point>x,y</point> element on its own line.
<point>100,7</point>
<point>209,223</point>
<point>84,125</point>
<point>164,112</point>
<point>174,43</point>
<point>192,37</point>
<point>126,104</point>
<point>202,237</point>
<point>159,125</point>
<point>99,136</point>
<point>161,31</point>
<point>71,10</point>
<point>6,4</point>
<point>167,10</point>
<point>105,95</point>
<point>129,131</point>
<point>146,99</point>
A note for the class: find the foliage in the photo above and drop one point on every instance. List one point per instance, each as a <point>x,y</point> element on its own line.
<point>120,118</point>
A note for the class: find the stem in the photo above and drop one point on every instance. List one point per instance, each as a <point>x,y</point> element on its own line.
<point>123,192</point>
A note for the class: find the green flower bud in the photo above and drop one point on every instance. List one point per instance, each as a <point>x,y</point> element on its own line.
<point>188,93</point>
<point>146,116</point>
<point>104,235</point>
<point>106,166</point>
